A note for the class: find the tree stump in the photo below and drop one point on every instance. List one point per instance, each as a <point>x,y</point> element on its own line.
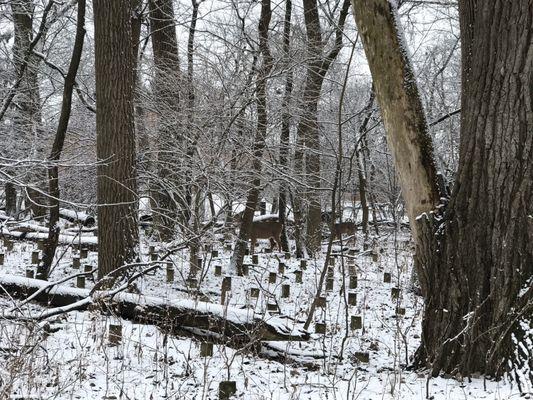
<point>281,268</point>
<point>170,273</point>
<point>226,287</point>
<point>226,389</point>
<point>206,349</point>
<point>352,298</point>
<point>298,276</point>
<point>320,328</point>
<point>362,356</point>
<point>353,282</point>
<point>356,322</point>
<point>84,253</point>
<point>114,334</point>
<point>35,257</point>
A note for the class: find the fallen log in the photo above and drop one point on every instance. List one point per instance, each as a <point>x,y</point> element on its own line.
<point>235,326</point>
<point>86,241</point>
<point>78,217</point>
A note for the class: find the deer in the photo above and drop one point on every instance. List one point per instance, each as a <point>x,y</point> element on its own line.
<point>343,227</point>
<point>263,230</point>
<point>266,230</point>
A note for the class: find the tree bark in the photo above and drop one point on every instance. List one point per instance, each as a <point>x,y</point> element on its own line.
<point>57,147</point>
<point>480,318</point>
<point>475,256</point>
<point>116,181</point>
<point>285,124</point>
<point>401,106</point>
<point>27,117</point>
<point>308,128</point>
<point>168,190</point>
<point>259,140</point>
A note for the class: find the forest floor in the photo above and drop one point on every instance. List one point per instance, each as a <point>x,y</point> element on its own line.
<point>69,357</point>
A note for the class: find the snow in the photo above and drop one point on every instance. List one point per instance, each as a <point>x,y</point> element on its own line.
<point>68,357</point>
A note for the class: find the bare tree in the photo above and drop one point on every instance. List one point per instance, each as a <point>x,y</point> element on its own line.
<point>167,189</point>
<point>116,184</point>
<point>57,147</point>
<point>260,137</point>
<point>308,129</point>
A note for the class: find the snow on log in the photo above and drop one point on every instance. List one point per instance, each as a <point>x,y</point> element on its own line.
<point>235,325</point>
<point>86,241</point>
<point>78,217</point>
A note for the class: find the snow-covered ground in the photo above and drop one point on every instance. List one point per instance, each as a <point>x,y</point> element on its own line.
<point>68,357</point>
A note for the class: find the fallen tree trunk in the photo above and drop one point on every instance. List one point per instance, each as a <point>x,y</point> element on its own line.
<point>78,217</point>
<point>24,233</point>
<point>230,324</point>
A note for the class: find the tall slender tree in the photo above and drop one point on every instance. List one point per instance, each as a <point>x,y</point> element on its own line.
<point>57,147</point>
<point>285,122</point>
<point>168,188</point>
<point>318,65</point>
<point>116,170</point>
<point>27,115</point>
<point>259,139</point>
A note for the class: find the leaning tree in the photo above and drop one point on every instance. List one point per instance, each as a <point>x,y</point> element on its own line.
<point>474,251</point>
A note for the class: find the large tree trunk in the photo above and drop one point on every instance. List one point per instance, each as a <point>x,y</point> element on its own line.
<point>474,258</point>
<point>308,129</point>
<point>168,190</point>
<point>259,140</point>
<point>116,183</point>
<point>479,315</point>
<point>57,147</point>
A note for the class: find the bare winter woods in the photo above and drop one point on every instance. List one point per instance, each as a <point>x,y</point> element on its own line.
<point>339,192</point>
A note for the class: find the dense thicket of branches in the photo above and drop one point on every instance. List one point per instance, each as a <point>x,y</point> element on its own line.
<point>253,119</point>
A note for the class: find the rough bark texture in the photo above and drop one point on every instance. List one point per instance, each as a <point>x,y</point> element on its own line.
<point>478,271</point>
<point>475,256</point>
<point>27,116</point>
<point>116,182</point>
<point>57,147</point>
<point>168,190</point>
<point>308,128</point>
<point>259,140</point>
<point>285,124</point>
<point>401,106</point>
